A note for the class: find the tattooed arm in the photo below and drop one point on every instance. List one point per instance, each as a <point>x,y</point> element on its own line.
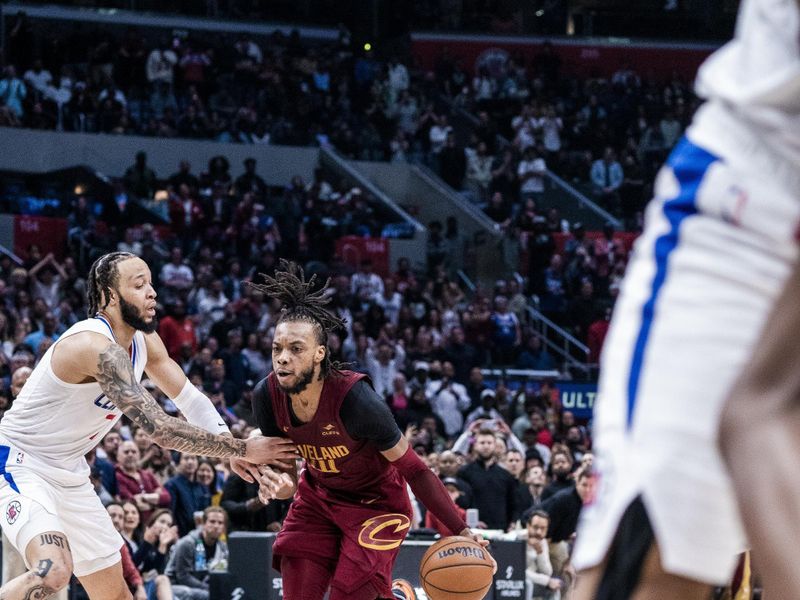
<point>86,356</point>
<point>116,378</point>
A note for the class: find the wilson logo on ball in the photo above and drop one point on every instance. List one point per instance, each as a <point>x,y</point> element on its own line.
<point>463,551</point>
<point>392,524</point>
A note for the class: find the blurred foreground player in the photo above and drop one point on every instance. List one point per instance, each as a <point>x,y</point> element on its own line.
<point>760,440</point>
<point>718,248</point>
<point>351,510</point>
<point>79,389</point>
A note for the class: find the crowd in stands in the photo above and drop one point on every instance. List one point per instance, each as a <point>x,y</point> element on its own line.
<point>607,133</point>
<point>229,88</point>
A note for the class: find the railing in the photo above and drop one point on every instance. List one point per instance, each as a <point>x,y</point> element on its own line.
<point>474,212</point>
<point>333,160</point>
<point>10,254</point>
<point>571,351</point>
<point>574,354</point>
<point>467,281</point>
<point>523,373</point>
<point>581,199</point>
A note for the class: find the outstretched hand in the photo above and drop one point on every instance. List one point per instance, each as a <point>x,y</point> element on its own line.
<point>245,469</point>
<point>267,450</point>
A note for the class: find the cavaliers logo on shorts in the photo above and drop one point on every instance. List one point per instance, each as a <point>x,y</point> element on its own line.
<point>12,511</point>
<point>389,524</point>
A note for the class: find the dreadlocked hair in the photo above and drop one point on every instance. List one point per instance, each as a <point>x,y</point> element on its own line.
<point>102,277</point>
<point>302,302</point>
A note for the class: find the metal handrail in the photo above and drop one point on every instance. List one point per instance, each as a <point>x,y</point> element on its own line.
<point>560,330</point>
<point>545,326</point>
<point>10,254</point>
<point>467,281</point>
<point>529,373</point>
<point>583,199</point>
<point>365,183</point>
<point>474,212</point>
<point>555,179</point>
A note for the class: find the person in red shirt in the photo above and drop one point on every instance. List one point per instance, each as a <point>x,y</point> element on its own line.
<point>139,485</point>
<point>351,510</point>
<point>176,329</point>
<point>596,336</point>
<point>454,489</point>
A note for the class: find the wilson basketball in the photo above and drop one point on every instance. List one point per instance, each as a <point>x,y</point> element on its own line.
<point>456,568</point>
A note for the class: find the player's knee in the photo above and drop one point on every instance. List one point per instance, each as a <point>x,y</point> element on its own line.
<point>55,576</point>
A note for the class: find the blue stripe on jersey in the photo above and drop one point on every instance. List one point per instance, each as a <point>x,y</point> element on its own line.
<point>107,324</point>
<point>689,163</point>
<point>4,450</point>
<point>133,341</point>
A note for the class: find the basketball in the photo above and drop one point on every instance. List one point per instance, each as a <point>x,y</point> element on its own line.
<point>456,568</point>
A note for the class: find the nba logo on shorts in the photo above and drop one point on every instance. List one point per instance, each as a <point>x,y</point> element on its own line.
<point>20,457</point>
<point>12,511</point>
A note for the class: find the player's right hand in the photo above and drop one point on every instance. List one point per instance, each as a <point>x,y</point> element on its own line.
<point>244,469</point>
<point>467,532</point>
<point>267,450</point>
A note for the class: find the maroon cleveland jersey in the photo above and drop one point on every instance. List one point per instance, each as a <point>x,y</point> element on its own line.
<point>336,463</point>
<point>351,511</point>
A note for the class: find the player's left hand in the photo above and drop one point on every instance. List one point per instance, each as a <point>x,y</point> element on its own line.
<point>272,483</point>
<point>467,532</point>
<point>245,469</point>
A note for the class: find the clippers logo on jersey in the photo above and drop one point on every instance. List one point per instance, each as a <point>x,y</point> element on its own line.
<point>329,429</point>
<point>323,458</point>
<point>388,524</point>
<point>103,403</point>
<point>12,511</point>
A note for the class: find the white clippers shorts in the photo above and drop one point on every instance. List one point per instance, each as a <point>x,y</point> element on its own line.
<point>718,246</point>
<point>30,506</point>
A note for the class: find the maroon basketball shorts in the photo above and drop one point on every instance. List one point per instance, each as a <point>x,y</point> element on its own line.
<point>357,543</point>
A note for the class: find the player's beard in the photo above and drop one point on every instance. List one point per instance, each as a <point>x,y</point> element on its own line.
<point>133,317</point>
<point>303,380</point>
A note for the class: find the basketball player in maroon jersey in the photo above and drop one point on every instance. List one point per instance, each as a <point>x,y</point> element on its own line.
<point>351,510</point>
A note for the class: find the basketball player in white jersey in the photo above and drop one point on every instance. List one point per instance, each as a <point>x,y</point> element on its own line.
<point>84,383</point>
<point>717,250</point>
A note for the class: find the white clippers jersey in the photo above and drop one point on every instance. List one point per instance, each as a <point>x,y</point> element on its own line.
<point>756,76</point>
<point>53,424</point>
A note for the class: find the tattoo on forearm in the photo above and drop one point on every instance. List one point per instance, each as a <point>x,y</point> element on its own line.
<point>44,567</point>
<point>38,592</point>
<point>118,381</point>
<point>51,539</point>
